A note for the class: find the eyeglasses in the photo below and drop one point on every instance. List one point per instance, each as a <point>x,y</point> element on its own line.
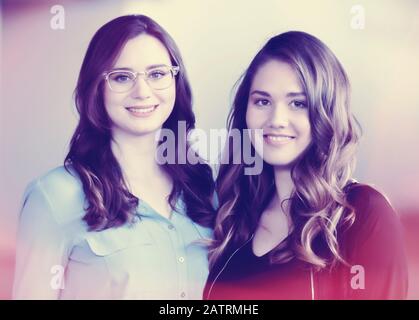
<point>157,78</point>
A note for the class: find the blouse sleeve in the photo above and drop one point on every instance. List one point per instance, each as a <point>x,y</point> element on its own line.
<point>375,248</point>
<point>41,253</point>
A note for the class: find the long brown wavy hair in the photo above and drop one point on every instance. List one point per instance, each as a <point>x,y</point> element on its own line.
<point>110,204</point>
<point>318,204</point>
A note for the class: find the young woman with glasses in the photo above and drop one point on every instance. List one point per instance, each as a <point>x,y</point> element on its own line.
<point>113,223</point>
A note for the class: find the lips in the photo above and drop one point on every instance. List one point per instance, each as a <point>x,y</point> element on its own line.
<point>142,110</point>
<point>278,139</point>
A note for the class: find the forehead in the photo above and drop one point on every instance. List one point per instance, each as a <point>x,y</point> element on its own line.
<point>277,78</point>
<point>141,52</point>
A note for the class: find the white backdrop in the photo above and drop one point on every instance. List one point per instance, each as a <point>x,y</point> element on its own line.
<point>377,42</point>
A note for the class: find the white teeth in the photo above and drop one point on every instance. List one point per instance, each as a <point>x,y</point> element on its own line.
<point>142,110</point>
<point>279,138</point>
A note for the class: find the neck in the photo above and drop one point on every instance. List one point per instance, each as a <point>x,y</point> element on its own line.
<point>283,184</point>
<point>136,155</point>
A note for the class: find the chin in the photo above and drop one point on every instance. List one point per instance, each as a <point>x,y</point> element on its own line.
<point>141,131</point>
<point>280,162</point>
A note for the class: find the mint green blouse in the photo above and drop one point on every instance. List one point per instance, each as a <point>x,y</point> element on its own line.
<point>57,258</point>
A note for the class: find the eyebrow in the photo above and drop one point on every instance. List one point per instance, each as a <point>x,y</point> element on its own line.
<point>148,68</point>
<point>261,93</point>
<point>288,95</point>
<point>295,94</point>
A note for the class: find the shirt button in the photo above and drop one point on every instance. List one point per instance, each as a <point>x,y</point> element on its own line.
<point>181,259</point>
<point>171,227</point>
<point>183,294</point>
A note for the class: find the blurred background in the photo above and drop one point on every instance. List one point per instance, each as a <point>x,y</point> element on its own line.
<point>377,41</point>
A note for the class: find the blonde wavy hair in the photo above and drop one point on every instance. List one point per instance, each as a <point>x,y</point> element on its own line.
<point>318,205</point>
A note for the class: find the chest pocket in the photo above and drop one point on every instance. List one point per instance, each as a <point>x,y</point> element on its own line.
<point>107,242</point>
<point>119,261</point>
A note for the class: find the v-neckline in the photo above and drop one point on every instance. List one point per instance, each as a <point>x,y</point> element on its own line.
<point>266,253</point>
<point>252,252</point>
<point>178,205</point>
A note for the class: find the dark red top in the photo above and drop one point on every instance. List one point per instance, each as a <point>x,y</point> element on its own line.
<point>373,246</point>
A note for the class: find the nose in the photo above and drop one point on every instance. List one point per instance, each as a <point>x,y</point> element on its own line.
<point>279,117</point>
<point>141,89</point>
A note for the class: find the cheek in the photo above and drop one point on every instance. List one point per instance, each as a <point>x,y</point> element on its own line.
<point>255,119</point>
<point>110,99</point>
<point>106,99</point>
<point>108,102</point>
<point>305,130</point>
<point>167,97</point>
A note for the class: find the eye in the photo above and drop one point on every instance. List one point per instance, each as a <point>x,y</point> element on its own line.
<point>261,102</point>
<point>157,74</point>
<point>121,77</point>
<point>299,104</point>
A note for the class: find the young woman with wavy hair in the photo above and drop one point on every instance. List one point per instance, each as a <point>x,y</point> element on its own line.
<point>114,222</point>
<point>303,228</point>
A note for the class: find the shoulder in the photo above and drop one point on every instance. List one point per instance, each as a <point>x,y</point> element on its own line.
<point>369,203</point>
<point>374,217</point>
<point>375,241</point>
<point>62,192</point>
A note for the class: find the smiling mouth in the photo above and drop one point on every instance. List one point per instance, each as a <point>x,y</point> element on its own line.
<point>142,110</point>
<point>278,139</point>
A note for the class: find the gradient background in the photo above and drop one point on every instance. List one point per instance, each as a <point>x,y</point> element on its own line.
<point>39,68</point>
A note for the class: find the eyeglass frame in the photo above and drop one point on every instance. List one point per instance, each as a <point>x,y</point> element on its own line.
<point>174,70</point>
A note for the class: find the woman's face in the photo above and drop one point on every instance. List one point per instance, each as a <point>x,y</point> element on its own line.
<point>141,110</point>
<point>277,105</point>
